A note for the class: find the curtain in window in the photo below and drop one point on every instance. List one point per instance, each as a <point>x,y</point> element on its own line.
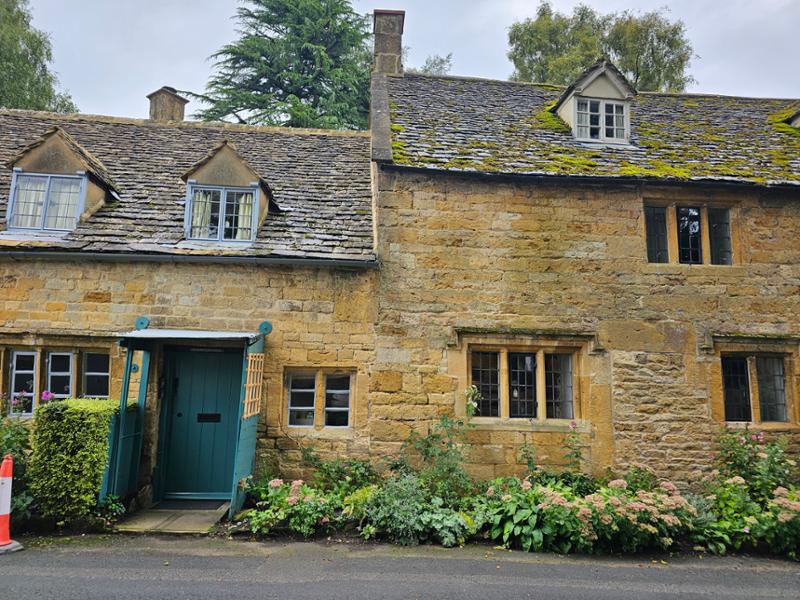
<point>202,202</point>
<point>245,222</point>
<point>28,201</point>
<point>62,204</point>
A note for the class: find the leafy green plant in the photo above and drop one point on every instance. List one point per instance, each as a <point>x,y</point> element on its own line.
<point>527,455</point>
<point>355,504</point>
<point>344,476</point>
<point>573,448</point>
<point>394,510</point>
<point>69,455</point>
<point>641,478</point>
<point>763,465</point>
<point>779,525</point>
<point>441,454</point>
<point>15,440</point>
<point>302,509</point>
<point>108,512</point>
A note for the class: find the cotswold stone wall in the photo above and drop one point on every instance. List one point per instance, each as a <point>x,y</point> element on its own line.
<point>321,317</point>
<point>459,253</point>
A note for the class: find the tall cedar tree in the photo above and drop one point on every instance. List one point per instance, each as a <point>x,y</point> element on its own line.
<point>25,56</point>
<point>652,51</point>
<point>297,63</point>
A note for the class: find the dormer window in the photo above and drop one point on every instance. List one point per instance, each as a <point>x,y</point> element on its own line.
<point>46,202</point>
<point>222,213</point>
<point>600,120</point>
<point>597,105</point>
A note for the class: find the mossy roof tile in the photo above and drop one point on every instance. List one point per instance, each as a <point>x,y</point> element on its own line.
<point>320,180</point>
<point>489,126</point>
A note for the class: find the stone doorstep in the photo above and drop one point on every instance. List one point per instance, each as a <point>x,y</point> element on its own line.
<point>173,521</point>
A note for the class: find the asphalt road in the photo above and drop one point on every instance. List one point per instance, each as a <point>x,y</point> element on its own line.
<point>171,568</point>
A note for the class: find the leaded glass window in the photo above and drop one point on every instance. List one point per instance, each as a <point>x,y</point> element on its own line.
<point>486,377</point>
<point>46,202</point>
<point>222,214</point>
<point>771,388</point>
<point>689,236</point>
<point>719,230</point>
<point>736,385</point>
<point>655,218</point>
<point>522,385</point>
<point>558,386</point>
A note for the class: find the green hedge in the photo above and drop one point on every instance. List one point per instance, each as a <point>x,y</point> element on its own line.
<point>69,455</point>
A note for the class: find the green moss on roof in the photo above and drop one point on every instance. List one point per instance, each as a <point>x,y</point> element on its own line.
<point>547,119</point>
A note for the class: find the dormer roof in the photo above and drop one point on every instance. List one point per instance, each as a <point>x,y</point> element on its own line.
<point>228,146</point>
<point>93,166</point>
<point>602,67</point>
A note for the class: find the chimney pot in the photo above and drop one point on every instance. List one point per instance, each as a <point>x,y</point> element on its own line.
<point>166,105</point>
<point>388,30</point>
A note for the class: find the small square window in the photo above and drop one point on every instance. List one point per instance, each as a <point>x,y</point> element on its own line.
<point>600,120</point>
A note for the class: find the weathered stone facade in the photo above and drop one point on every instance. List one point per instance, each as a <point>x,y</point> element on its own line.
<point>461,253</point>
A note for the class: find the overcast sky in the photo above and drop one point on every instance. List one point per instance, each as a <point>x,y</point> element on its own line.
<point>110,53</point>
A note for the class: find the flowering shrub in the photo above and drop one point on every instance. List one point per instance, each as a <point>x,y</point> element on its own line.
<point>763,466</point>
<point>779,525</point>
<point>535,517</point>
<point>302,509</point>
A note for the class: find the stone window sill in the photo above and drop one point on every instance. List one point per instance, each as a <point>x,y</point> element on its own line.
<point>771,426</point>
<point>548,425</point>
<point>332,433</point>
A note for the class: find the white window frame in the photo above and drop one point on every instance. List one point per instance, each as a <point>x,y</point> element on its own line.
<point>87,373</point>
<point>12,199</point>
<point>326,409</point>
<point>312,408</point>
<point>70,373</point>
<point>15,372</point>
<point>602,139</point>
<point>224,191</point>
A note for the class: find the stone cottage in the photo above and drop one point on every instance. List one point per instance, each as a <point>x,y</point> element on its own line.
<point>623,263</point>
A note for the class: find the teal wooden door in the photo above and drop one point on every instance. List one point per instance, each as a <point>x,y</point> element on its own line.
<point>202,424</point>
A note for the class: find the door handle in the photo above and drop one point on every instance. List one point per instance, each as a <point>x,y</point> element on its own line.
<point>180,414</point>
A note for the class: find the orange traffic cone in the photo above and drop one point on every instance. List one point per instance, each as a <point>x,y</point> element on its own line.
<point>6,543</point>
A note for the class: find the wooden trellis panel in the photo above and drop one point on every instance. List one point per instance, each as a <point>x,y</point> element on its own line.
<point>254,385</point>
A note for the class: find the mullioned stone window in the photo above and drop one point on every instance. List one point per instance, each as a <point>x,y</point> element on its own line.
<point>534,383</point>
<point>690,234</point>
<point>755,388</point>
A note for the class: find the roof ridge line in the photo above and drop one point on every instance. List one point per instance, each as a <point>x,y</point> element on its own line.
<point>555,87</point>
<point>219,125</point>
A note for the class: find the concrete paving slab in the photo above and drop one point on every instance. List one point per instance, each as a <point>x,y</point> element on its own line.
<point>158,520</point>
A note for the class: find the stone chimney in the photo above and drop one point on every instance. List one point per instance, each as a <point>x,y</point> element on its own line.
<point>388,29</point>
<point>166,105</point>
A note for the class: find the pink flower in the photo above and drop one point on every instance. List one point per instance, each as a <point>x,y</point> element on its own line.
<point>785,517</point>
<point>297,483</point>
<point>735,480</point>
<point>668,486</point>
<point>490,492</point>
<point>47,396</point>
<point>746,530</point>
<point>291,500</point>
<point>573,425</point>
<point>275,483</point>
<point>325,520</point>
<point>780,492</point>
<point>619,484</point>
<point>526,485</point>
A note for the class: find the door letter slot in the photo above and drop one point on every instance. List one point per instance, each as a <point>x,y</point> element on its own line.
<point>209,417</point>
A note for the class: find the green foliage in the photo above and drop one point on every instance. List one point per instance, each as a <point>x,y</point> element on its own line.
<point>70,450</point>
<point>302,509</point>
<point>108,511</point>
<point>342,477</point>
<point>15,440</point>
<point>26,80</point>
<point>527,455</point>
<point>403,511</point>
<point>441,455</point>
<point>297,63</point>
<point>434,65</point>
<point>764,466</point>
<point>641,478</point>
<point>355,504</point>
<point>553,518</point>
<point>779,526</point>
<point>652,51</point>
<point>573,448</point>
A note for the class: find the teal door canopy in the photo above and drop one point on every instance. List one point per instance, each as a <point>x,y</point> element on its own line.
<point>202,423</point>
<point>208,451</point>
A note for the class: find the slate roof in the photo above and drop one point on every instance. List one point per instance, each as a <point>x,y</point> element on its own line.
<point>320,180</point>
<point>487,126</point>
